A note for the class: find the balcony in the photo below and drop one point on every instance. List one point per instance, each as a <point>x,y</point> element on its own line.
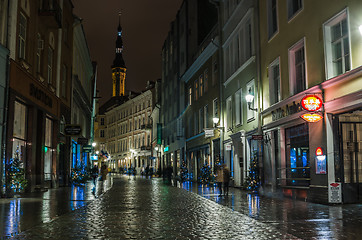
<point>145,148</point>
<point>146,126</point>
<point>51,10</point>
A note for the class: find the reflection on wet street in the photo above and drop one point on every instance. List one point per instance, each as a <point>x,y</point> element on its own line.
<point>141,208</point>
<point>19,214</point>
<point>302,219</point>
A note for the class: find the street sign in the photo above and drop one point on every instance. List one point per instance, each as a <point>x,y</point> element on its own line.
<point>209,132</point>
<point>72,130</point>
<point>87,148</point>
<point>335,192</point>
<point>82,141</point>
<point>257,137</point>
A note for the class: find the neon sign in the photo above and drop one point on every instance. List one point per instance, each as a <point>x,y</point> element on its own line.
<point>311,117</point>
<point>311,103</point>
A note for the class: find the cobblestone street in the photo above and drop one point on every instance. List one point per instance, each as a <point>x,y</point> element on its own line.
<point>138,208</point>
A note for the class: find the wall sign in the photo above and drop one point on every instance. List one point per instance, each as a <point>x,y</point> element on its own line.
<point>311,103</point>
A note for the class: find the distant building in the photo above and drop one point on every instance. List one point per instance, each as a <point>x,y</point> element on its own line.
<point>123,123</point>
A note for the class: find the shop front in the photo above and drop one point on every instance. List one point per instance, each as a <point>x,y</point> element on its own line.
<point>33,127</point>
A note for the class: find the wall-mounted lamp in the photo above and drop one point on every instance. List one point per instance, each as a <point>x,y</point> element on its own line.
<point>215,120</point>
<point>360,29</point>
<point>249,99</point>
<point>94,144</point>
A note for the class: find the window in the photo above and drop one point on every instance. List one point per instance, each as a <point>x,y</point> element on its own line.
<point>229,113</point>
<point>272,18</point>
<point>196,89</point>
<point>50,65</point>
<point>38,53</point>
<point>206,80</point>
<point>201,81</point>
<point>206,116</point>
<point>196,123</point>
<point>63,85</point>
<point>337,48</point>
<point>22,35</point>
<point>214,71</point>
<point>48,151</point>
<point>201,119</point>
<point>215,108</point>
<point>239,47</point>
<point>238,107</point>
<point>102,121</point>
<point>274,82</point>
<point>294,6</point>
<point>297,76</point>
<point>190,96</point>
<point>250,88</point>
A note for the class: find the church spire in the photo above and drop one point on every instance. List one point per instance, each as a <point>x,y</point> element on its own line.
<point>119,66</point>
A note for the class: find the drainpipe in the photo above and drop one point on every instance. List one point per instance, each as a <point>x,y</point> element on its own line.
<point>217,3</point>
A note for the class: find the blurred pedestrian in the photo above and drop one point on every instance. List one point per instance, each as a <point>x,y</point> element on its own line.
<point>103,173</point>
<point>94,172</point>
<point>219,178</point>
<point>147,171</point>
<point>226,178</point>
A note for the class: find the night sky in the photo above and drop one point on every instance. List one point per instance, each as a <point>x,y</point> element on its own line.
<point>145,25</point>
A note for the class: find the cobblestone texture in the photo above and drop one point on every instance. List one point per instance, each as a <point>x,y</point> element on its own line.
<point>144,209</point>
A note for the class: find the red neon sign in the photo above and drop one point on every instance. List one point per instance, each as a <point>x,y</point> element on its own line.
<point>311,117</point>
<point>311,103</point>
<point>319,151</point>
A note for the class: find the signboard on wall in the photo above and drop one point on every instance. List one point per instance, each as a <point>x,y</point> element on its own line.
<point>228,147</point>
<point>209,132</point>
<point>335,192</point>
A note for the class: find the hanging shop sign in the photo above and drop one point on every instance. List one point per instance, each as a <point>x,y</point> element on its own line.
<point>87,148</point>
<point>335,192</point>
<point>311,103</point>
<point>311,117</point>
<point>319,151</point>
<point>209,132</point>
<point>72,130</point>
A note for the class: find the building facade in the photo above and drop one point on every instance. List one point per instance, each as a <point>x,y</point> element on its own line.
<point>40,42</point>
<point>321,58</point>
<point>83,85</point>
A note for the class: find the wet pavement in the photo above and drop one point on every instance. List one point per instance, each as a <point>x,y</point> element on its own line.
<point>139,208</point>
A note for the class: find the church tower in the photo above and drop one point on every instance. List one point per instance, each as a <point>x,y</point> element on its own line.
<point>119,67</point>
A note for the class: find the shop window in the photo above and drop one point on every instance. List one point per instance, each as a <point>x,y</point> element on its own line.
<point>19,132</point>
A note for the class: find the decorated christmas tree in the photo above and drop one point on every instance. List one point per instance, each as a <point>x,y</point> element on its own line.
<point>184,172</point>
<point>80,175</point>
<point>206,175</point>
<point>16,181</point>
<point>252,181</point>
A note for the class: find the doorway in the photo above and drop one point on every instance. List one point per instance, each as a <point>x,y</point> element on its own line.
<point>351,133</point>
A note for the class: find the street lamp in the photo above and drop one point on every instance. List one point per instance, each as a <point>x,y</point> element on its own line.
<point>249,99</point>
<point>94,144</point>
